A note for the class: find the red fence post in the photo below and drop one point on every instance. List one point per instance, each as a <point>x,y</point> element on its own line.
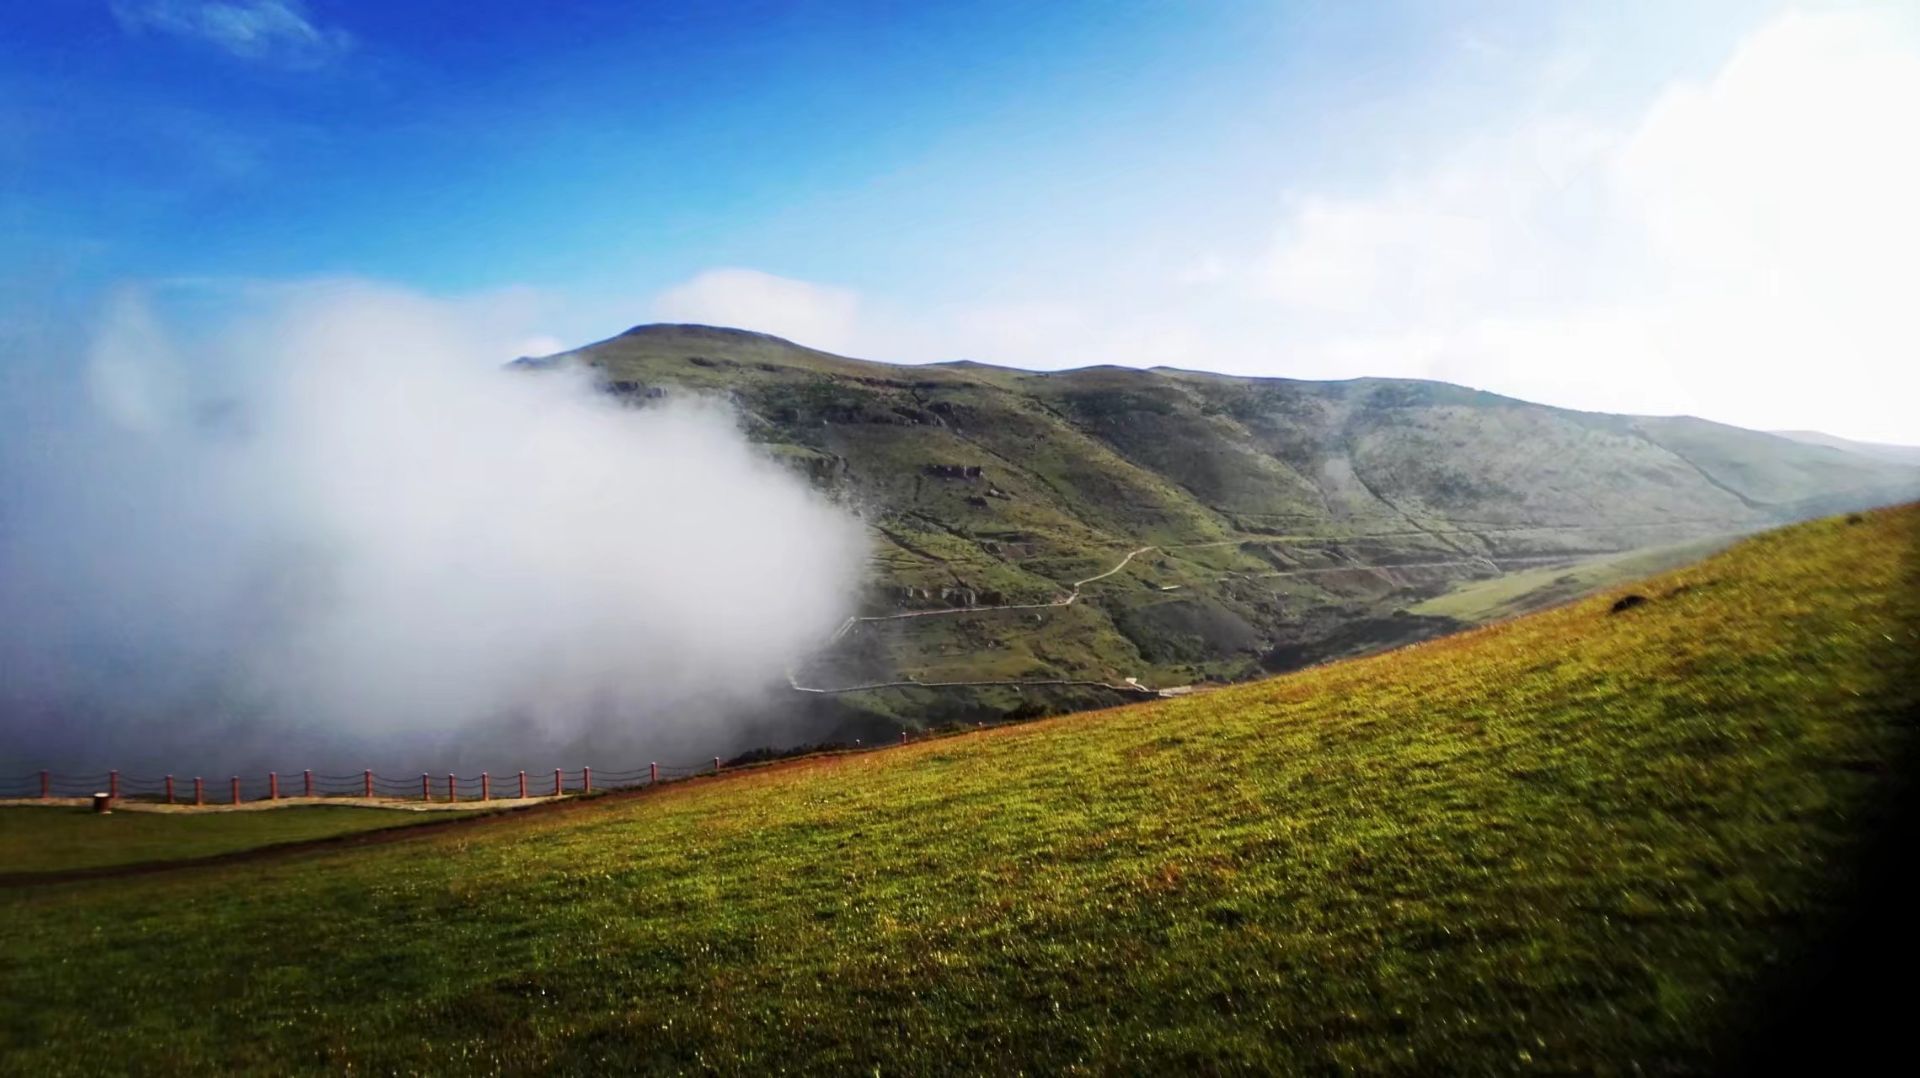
<point>199,791</point>
<point>653,772</point>
<point>426,792</point>
<point>557,789</point>
<point>273,785</point>
<point>308,773</point>
<point>523,785</point>
<point>586,779</point>
<point>453,794</point>
<point>113,784</point>
<point>46,785</point>
<point>236,789</point>
<point>366,777</point>
<point>169,789</point>
<point>486,787</point>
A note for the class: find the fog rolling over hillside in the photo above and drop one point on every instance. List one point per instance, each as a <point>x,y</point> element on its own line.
<point>342,535</point>
<point>1289,521</point>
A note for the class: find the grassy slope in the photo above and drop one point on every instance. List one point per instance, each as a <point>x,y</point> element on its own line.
<point>54,839</point>
<point>1768,468</point>
<point>1574,840</point>
<point>1479,601</point>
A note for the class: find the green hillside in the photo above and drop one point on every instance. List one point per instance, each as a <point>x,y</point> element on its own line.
<point>1583,840</point>
<point>37,839</point>
<point>1478,601</point>
<point>1291,521</point>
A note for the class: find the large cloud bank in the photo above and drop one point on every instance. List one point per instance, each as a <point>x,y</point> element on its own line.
<point>345,530</point>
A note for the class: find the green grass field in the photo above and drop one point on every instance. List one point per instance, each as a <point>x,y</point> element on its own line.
<point>1479,601</point>
<point>1576,841</point>
<point>62,838</point>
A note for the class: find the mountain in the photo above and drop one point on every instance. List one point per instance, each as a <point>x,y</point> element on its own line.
<point>1082,528</point>
<point>1898,454</point>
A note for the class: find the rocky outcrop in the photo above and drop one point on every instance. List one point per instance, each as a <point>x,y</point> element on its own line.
<point>956,595</point>
<point>635,390</point>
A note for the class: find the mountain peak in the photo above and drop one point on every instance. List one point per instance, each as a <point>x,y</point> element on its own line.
<point>705,332</point>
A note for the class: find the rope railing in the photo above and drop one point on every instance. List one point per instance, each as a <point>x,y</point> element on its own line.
<point>368,785</point>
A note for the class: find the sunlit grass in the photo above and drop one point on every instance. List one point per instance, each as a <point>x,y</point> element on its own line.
<point>59,838</point>
<point>1511,594</point>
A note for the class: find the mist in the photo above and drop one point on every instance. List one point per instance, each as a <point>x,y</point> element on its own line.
<point>340,531</point>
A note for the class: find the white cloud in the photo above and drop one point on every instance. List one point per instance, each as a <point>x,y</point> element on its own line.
<point>1742,250</point>
<point>1781,200</point>
<point>270,31</point>
<point>538,345</point>
<point>820,316</point>
<point>338,522</point>
<point>1355,257</point>
<point>1489,218</point>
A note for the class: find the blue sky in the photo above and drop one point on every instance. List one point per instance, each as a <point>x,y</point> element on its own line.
<point>1499,194</point>
<point>467,145</point>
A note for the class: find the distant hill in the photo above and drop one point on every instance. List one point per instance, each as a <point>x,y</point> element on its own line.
<point>1898,454</point>
<point>1275,522</point>
<point>1616,837</point>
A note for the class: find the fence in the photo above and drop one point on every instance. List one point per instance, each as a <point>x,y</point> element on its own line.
<point>306,783</point>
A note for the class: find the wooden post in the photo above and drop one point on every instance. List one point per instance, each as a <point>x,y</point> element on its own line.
<point>199,791</point>
<point>308,775</point>
<point>273,785</point>
<point>366,779</point>
<point>236,789</point>
<point>426,792</point>
<point>903,737</point>
<point>453,793</point>
<point>486,787</point>
<point>557,788</point>
<point>716,765</point>
<point>169,789</point>
<point>653,773</point>
<point>113,784</point>
<point>46,785</point>
<point>586,779</point>
<point>523,785</point>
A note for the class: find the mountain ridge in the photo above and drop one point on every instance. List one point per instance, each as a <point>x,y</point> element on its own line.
<point>1889,451</point>
<point>1290,520</point>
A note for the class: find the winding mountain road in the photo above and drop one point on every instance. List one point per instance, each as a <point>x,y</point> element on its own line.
<point>1067,600</point>
<point>1132,686</point>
